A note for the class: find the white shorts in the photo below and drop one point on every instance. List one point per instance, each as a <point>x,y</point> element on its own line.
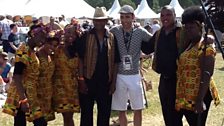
<point>128,87</point>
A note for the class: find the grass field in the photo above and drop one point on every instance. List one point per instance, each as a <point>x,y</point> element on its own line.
<point>152,116</point>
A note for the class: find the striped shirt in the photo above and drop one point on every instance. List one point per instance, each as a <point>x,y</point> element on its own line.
<point>5,27</point>
<point>133,47</point>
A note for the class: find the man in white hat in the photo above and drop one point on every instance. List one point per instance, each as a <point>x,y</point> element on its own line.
<point>128,84</point>
<point>97,70</point>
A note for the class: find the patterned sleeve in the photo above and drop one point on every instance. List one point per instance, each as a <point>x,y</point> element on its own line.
<point>210,50</point>
<point>22,54</point>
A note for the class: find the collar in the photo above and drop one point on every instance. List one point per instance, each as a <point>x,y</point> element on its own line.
<point>132,28</point>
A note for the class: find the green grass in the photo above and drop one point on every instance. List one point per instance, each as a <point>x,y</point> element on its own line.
<point>152,116</point>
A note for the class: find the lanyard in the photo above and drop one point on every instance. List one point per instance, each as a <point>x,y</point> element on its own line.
<point>127,43</point>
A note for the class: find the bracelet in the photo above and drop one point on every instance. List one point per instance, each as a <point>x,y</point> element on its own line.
<point>23,101</point>
<point>81,78</point>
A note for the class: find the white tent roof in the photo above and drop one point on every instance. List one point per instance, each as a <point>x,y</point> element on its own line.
<point>70,8</point>
<point>143,11</point>
<point>114,10</point>
<point>178,9</point>
<point>137,9</point>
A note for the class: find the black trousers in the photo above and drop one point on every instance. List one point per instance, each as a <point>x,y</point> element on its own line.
<point>194,119</point>
<point>97,92</point>
<point>20,120</point>
<point>167,95</point>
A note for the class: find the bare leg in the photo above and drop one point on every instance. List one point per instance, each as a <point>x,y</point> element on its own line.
<point>68,119</point>
<point>123,118</point>
<point>137,117</point>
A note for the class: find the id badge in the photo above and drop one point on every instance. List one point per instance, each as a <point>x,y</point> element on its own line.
<point>127,62</point>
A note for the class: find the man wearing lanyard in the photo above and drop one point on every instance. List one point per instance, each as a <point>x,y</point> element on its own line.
<point>128,84</point>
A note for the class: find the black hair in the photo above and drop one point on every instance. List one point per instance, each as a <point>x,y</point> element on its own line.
<point>193,13</point>
<point>12,26</point>
<point>32,28</point>
<point>8,17</point>
<point>168,7</point>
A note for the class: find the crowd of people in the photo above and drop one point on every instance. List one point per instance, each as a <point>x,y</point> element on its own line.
<point>68,67</point>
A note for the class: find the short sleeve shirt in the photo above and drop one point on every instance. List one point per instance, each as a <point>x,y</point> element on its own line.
<point>14,38</point>
<point>136,37</point>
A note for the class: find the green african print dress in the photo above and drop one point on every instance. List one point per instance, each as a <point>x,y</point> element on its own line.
<point>45,87</point>
<point>65,86</point>
<point>189,75</point>
<point>29,81</point>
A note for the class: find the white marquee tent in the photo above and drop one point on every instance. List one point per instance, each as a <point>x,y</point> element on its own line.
<point>70,8</point>
<point>178,9</point>
<point>143,11</point>
<point>114,10</point>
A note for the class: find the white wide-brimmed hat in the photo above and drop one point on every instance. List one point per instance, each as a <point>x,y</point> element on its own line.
<point>100,14</point>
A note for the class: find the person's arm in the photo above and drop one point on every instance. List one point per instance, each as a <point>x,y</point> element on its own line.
<point>207,63</point>
<point>146,36</point>
<point>80,44</point>
<point>117,60</point>
<point>10,74</point>
<point>148,47</point>
<point>114,79</point>
<point>17,77</point>
<point>13,46</point>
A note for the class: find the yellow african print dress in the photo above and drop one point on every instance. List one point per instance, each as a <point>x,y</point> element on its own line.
<point>45,87</point>
<point>29,81</point>
<point>65,95</point>
<point>188,77</point>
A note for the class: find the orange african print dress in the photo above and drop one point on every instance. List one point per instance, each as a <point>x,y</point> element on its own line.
<point>29,81</point>
<point>65,95</point>
<point>189,75</point>
<point>45,87</point>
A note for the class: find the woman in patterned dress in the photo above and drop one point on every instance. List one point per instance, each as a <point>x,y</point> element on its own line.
<point>195,86</point>
<point>65,96</point>
<point>47,66</point>
<point>22,100</point>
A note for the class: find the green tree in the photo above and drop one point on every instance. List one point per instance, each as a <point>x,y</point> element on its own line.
<point>99,3</point>
<point>108,3</point>
<point>94,3</point>
<point>163,2</point>
<point>187,3</point>
<point>155,6</point>
<point>129,2</point>
<point>184,3</point>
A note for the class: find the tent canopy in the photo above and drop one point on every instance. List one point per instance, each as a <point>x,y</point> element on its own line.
<point>143,11</point>
<point>114,10</point>
<point>178,9</point>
